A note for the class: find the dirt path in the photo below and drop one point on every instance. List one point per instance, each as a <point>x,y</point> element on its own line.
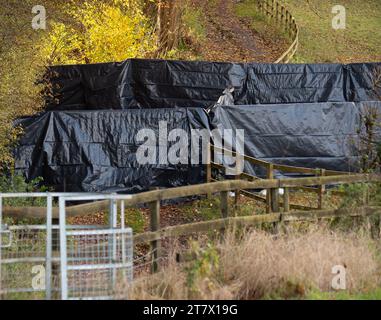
<point>231,38</point>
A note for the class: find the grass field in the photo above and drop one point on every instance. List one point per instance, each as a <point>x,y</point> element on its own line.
<point>345,295</point>
<point>319,42</point>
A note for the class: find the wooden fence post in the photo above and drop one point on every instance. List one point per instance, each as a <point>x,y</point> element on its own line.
<point>286,200</point>
<point>224,203</point>
<point>275,200</point>
<point>272,9</point>
<point>272,195</point>
<point>270,175</point>
<point>209,168</point>
<point>287,21</point>
<point>291,26</point>
<point>236,195</point>
<point>155,226</point>
<point>321,192</point>
<point>237,192</point>
<point>277,12</point>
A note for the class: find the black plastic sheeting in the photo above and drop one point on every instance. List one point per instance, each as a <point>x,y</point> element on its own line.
<point>297,114</point>
<point>313,135</point>
<point>166,84</point>
<point>95,151</point>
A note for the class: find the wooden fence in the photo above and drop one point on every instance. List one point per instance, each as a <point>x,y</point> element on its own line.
<point>271,200</point>
<point>279,209</point>
<point>275,216</point>
<point>153,199</point>
<point>281,16</point>
<point>194,190</point>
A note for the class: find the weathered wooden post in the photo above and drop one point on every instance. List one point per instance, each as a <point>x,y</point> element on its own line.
<point>287,21</point>
<point>155,226</point>
<point>286,208</point>
<point>286,200</point>
<point>237,191</point>
<point>272,194</point>
<point>224,203</point>
<point>281,14</point>
<point>267,11</point>
<point>273,12</point>
<point>321,191</point>
<point>277,12</point>
<point>270,175</point>
<point>293,29</point>
<point>209,168</point>
<point>275,200</point>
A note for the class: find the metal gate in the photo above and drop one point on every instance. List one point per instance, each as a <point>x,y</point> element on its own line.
<point>93,262</point>
<point>64,261</point>
<point>24,263</point>
<point>26,255</point>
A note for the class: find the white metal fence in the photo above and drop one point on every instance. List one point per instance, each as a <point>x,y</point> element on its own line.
<point>63,261</point>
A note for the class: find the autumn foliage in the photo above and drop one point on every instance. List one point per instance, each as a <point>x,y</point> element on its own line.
<point>101,32</point>
<point>77,32</point>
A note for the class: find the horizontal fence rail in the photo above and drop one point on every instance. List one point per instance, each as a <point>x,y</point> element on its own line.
<point>247,221</point>
<point>193,190</point>
<point>280,167</point>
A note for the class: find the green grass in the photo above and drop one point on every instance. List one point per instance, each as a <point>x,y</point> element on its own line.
<point>209,209</point>
<point>345,295</point>
<point>193,21</point>
<point>204,209</point>
<point>319,42</point>
<point>134,219</point>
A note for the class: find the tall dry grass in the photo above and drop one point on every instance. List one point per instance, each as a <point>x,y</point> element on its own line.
<point>259,265</point>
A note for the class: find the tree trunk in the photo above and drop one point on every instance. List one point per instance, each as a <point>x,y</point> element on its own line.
<point>168,24</point>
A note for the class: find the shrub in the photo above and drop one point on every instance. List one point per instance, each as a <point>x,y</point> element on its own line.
<point>101,32</point>
<point>17,183</point>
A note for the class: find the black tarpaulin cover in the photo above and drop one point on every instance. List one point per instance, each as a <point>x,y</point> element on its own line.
<point>96,150</point>
<point>298,114</point>
<point>165,84</point>
<point>314,135</point>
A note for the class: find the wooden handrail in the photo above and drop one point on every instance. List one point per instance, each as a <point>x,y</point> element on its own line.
<point>194,190</point>
<point>280,167</point>
<point>219,224</point>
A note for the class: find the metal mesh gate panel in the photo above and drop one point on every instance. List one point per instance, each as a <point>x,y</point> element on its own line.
<point>96,261</point>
